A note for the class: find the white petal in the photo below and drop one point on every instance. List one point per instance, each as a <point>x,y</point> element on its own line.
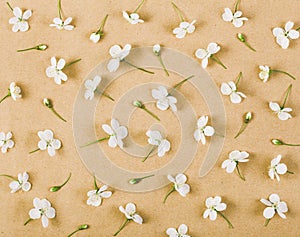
<point>45,221</point>
<point>288,26</point>
<point>113,65</point>
<point>197,135</point>
<point>180,179</point>
<point>122,132</point>
<point>274,198</point>
<point>27,14</point>
<point>184,190</point>
<point>130,208</point>
<point>50,213</point>
<point>182,229</point>
<point>202,121</point>
<point>276,160</point>
<point>51,151</point>
<point>293,34</point>
<point>282,206</point>
<point>213,48</point>
<point>170,178</point>
<point>209,131</point>
<point>284,116</point>
<point>172,232</point>
<point>68,21</point>
<point>162,104</point>
<point>266,202</point>
<point>226,89</point>
<point>201,53</point>
<point>221,207</point>
<point>137,218</point>
<point>37,203</point>
<point>56,144</point>
<point>227,15</point>
<point>34,213</point>
<point>225,163</point>
<point>281,168</point>
<point>271,173</point>
<point>268,212</point>
<point>17,12</point>
<point>278,31</point>
<point>112,142</point>
<point>281,214</point>
<point>106,194</point>
<point>283,41</point>
<point>237,22</point>
<point>26,186</point>
<point>230,167</point>
<point>274,107</point>
<point>206,213</point>
<point>235,98</point>
<point>204,62</point>
<point>212,215</point>
<point>14,186</point>
<point>107,129</point>
<point>60,64</point>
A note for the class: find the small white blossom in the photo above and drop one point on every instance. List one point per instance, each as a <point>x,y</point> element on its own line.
<point>130,213</point>
<point>19,21</point>
<point>164,100</point>
<point>180,184</point>
<point>234,158</point>
<point>156,139</point>
<point>95,37</point>
<point>116,133</point>
<point>277,168</point>
<point>21,183</point>
<point>95,196</point>
<point>203,130</point>
<point>117,54</point>
<point>6,141</point>
<point>235,18</point>
<point>282,113</point>
<point>133,18</point>
<point>42,208</point>
<point>184,28</point>
<point>55,70</point>
<point>62,25</point>
<point>274,205</point>
<point>213,206</point>
<point>182,231</point>
<point>230,89</point>
<point>15,91</point>
<point>156,49</point>
<point>91,87</point>
<point>283,36</point>
<point>205,54</point>
<point>48,142</point>
<point>264,74</point>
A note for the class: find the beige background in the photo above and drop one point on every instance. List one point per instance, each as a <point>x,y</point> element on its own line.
<point>27,116</point>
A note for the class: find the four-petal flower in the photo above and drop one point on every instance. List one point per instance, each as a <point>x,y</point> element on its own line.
<point>282,113</point>
<point>6,141</point>
<point>164,99</point>
<point>95,196</point>
<point>235,18</point>
<point>213,206</point>
<point>182,231</point>
<point>55,70</point>
<point>230,89</point>
<point>156,139</point>
<point>203,130</point>
<point>21,183</point>
<point>277,168</point>
<point>133,18</point>
<point>283,36</point>
<point>116,133</point>
<point>62,25</point>
<point>19,21</point>
<point>42,208</point>
<point>48,142</point>
<point>91,87</point>
<point>117,54</point>
<point>184,28</point>
<point>274,205</point>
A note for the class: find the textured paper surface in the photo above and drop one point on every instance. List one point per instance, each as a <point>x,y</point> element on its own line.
<point>27,116</point>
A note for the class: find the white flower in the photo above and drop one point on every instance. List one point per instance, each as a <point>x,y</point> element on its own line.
<point>179,184</point>
<point>42,208</point>
<point>277,168</point>
<point>235,18</point>
<point>95,37</point>
<point>234,158</point>
<point>283,36</point>
<point>164,100</point>
<point>264,74</point>
<point>213,206</point>
<point>6,141</point>
<point>282,113</point>
<point>205,54</point>
<point>130,213</point>
<point>15,91</point>
<point>156,139</point>
<point>203,130</point>
<point>116,133</point>
<point>95,196</point>
<point>55,70</point>
<point>48,142</point>
<point>230,89</point>
<point>274,205</point>
<point>60,24</point>
<point>184,27</point>
<point>91,87</point>
<point>133,18</point>
<point>19,20</point>
<point>21,183</point>
<point>182,231</point>
<point>156,49</point>
<point>117,54</point>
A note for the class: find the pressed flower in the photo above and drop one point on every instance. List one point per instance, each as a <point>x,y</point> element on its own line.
<point>276,168</point>
<point>91,88</point>
<point>234,17</point>
<point>278,142</point>
<point>82,227</point>
<point>96,195</point>
<point>6,141</point>
<point>19,21</point>
<point>281,111</point>
<point>231,89</point>
<point>42,209</point>
<point>118,55</point>
<point>156,51</point>
<point>179,185</point>
<point>203,130</point>
<point>134,18</point>
<point>130,213</point>
<point>47,102</point>
<point>57,188</point>
<point>116,134</point>
<point>235,157</point>
<point>14,92</point>
<point>40,47</point>
<point>96,36</point>
<point>283,36</point>
<point>214,207</point>
<point>158,142</point>
<point>55,70</point>
<point>182,231</point>
<point>242,38</point>
<point>247,119</point>
<point>140,105</point>
<point>47,142</point>
<point>184,26</point>
<point>20,183</point>
<point>274,205</point>
<point>61,24</point>
<point>138,180</point>
<point>266,71</point>
<point>209,53</point>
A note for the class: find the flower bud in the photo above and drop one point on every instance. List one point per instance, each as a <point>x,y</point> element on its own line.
<point>55,189</point>
<point>241,37</point>
<point>47,102</point>
<point>135,181</point>
<point>248,116</point>
<point>277,142</point>
<point>156,49</point>
<point>42,47</point>
<point>83,227</point>
<point>138,104</point>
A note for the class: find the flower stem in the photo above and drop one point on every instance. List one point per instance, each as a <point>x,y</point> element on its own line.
<point>218,61</point>
<point>139,6</point>
<point>249,46</point>
<point>287,95</point>
<point>239,172</point>
<point>59,9</point>
<point>94,142</point>
<point>242,129</point>
<point>151,151</point>
<point>290,172</point>
<point>226,219</point>
<point>100,30</point>
<point>298,29</point>
<point>8,176</point>
<point>139,68</point>
<point>8,95</point>
<point>236,5</point>
<point>281,143</point>
<point>168,194</point>
<point>105,95</point>
<point>34,151</point>
<point>238,79</point>
<point>137,180</point>
<point>152,114</point>
<point>178,12</point>
<point>57,114</point>
<point>82,227</point>
<point>56,188</point>
<point>7,3</point>
<point>183,81</point>
<point>71,63</point>
<point>28,221</point>
<point>275,70</point>
<point>163,65</point>
<point>22,50</point>
<point>122,227</point>
<point>267,222</point>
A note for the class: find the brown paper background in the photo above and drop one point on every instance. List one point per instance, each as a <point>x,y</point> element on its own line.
<point>27,116</point>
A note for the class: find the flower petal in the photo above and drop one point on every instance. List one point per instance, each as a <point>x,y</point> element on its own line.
<point>180,179</point>
<point>274,198</point>
<point>281,168</point>
<point>268,212</point>
<point>213,48</point>
<point>17,12</point>
<point>27,14</point>
<point>235,98</point>
<point>274,106</point>
<point>293,34</point>
<point>50,213</point>
<point>137,218</point>
<point>34,213</point>
<point>45,221</point>
<point>288,26</point>
<point>113,65</point>
<point>130,208</point>
<point>266,202</point>
<point>182,229</point>
<point>227,15</point>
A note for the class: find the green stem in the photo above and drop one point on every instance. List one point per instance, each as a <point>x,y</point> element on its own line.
<point>8,95</point>
<point>152,114</point>
<point>94,142</point>
<point>298,29</point>
<point>8,176</point>
<point>239,173</point>
<point>34,151</point>
<point>151,151</point>
<point>28,221</point>
<point>238,79</point>
<point>178,12</point>
<point>59,9</point>
<point>226,219</point>
<point>163,65</point>
<point>22,50</point>
<point>139,6</point>
<point>290,172</point>
<point>122,227</point>
<point>214,58</point>
<point>288,144</point>
<point>236,5</point>
<point>105,95</point>
<point>73,232</point>
<point>139,68</point>
<point>287,95</point>
<point>95,183</point>
<point>181,83</point>
<point>82,227</point>
<point>57,114</point>
<point>168,194</point>
<point>71,63</point>
<point>249,46</point>
<point>102,25</point>
<point>137,180</point>
<point>267,222</point>
<point>275,70</point>
<point>56,188</point>
<point>242,129</point>
<point>7,3</point>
